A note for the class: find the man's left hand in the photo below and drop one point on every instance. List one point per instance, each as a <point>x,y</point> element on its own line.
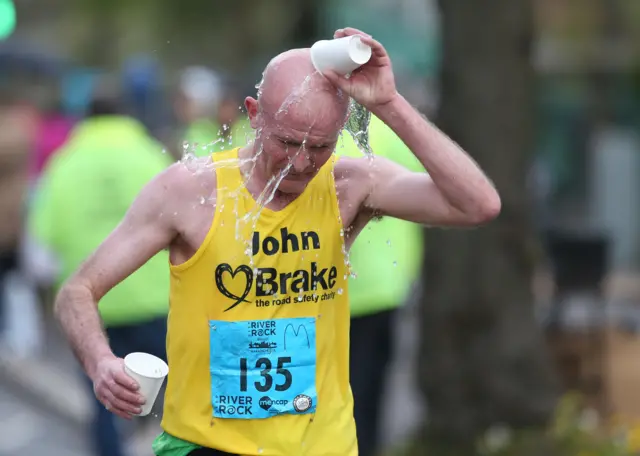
<point>372,85</point>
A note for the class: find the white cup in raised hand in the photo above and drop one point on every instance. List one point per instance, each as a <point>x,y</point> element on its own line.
<point>342,55</point>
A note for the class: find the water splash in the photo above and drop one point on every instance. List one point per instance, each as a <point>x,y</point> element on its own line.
<point>358,126</point>
<point>295,96</point>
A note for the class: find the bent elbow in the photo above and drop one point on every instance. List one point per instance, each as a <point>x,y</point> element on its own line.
<point>71,291</point>
<point>61,300</point>
<point>488,209</point>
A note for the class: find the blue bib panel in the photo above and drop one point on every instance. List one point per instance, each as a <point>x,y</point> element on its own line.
<point>263,368</point>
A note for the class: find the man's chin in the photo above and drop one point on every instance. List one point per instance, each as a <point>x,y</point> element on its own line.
<point>293,186</point>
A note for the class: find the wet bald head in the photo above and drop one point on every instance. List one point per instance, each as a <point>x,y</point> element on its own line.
<point>298,117</point>
<point>292,91</point>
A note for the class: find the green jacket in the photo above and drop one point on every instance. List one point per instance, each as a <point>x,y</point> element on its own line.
<point>205,136</point>
<point>83,195</point>
<point>386,256</point>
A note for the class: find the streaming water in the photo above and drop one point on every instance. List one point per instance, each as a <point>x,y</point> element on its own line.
<point>357,126</point>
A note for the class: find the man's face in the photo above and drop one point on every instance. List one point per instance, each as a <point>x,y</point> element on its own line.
<point>297,141</point>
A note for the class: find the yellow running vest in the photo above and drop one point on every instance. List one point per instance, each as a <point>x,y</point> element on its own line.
<point>258,329</point>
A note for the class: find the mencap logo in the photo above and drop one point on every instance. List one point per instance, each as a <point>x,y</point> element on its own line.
<point>266,402</point>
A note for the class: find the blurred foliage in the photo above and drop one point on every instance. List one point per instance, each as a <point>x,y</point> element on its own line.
<point>575,430</point>
<point>229,35</point>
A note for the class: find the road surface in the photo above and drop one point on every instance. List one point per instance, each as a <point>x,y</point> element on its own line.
<point>26,429</point>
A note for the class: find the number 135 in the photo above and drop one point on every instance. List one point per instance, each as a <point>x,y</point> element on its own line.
<point>265,366</point>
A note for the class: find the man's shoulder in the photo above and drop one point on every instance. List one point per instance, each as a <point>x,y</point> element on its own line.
<point>352,177</point>
<point>347,167</point>
<point>182,188</point>
<point>187,178</point>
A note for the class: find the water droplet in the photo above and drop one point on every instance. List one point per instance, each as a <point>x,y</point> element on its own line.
<point>395,264</point>
<point>388,241</point>
<point>202,200</point>
<point>340,290</point>
<point>260,450</point>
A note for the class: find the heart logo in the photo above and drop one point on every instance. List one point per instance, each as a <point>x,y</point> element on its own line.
<point>248,274</point>
<point>265,403</point>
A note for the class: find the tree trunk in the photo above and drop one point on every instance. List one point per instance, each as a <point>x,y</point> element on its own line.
<point>307,26</point>
<point>483,359</point>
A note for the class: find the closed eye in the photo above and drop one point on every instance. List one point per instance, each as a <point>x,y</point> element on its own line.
<point>290,143</point>
<point>287,142</point>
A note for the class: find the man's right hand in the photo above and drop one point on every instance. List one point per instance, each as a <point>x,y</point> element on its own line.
<point>117,391</point>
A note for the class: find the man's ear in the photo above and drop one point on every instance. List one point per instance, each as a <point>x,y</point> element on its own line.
<point>252,110</point>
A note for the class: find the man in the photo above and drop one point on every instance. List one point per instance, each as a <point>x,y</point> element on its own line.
<point>386,259</point>
<point>84,193</point>
<point>258,329</point>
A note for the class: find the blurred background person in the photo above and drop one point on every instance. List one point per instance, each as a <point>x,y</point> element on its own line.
<point>386,259</point>
<point>84,193</point>
<point>54,127</point>
<point>18,303</point>
<point>208,110</point>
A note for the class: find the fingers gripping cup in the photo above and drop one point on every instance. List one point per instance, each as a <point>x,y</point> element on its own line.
<point>342,55</point>
<point>149,371</point>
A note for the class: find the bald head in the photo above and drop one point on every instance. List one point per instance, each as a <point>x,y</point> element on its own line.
<point>293,91</point>
<point>298,117</point>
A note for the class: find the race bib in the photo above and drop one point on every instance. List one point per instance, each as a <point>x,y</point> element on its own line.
<point>263,368</point>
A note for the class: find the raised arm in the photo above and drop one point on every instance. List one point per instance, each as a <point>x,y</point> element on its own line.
<point>143,232</point>
<point>454,192</point>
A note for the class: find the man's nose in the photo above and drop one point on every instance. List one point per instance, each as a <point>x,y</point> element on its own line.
<point>301,161</point>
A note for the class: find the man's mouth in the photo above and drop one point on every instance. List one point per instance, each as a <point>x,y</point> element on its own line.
<point>298,177</point>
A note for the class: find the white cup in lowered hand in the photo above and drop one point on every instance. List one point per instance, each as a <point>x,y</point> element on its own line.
<point>342,55</point>
<point>149,371</point>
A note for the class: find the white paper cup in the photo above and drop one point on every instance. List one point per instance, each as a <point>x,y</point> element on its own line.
<point>342,55</point>
<point>149,371</point>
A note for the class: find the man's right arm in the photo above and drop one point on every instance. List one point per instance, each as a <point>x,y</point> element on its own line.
<point>144,231</point>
